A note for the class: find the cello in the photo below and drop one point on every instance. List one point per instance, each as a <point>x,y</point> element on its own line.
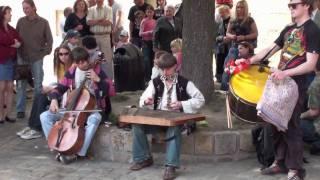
<point>67,135</point>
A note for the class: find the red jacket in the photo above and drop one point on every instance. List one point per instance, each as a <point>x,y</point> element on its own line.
<point>224,1</point>
<point>6,40</point>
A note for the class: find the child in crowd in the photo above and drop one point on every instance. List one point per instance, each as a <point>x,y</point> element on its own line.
<point>156,70</point>
<point>72,39</point>
<point>138,16</point>
<point>245,50</point>
<point>176,48</point>
<point>146,33</point>
<point>123,39</point>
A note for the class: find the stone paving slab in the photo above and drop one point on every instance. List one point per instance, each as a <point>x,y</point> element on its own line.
<point>31,160</point>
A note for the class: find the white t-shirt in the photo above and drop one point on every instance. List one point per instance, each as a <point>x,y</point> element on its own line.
<point>115,8</point>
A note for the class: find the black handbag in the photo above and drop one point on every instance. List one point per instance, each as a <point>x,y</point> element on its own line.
<point>22,72</point>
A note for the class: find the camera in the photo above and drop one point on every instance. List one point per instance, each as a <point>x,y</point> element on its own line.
<point>100,54</point>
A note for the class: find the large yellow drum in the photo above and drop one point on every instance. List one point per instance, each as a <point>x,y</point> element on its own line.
<point>245,90</point>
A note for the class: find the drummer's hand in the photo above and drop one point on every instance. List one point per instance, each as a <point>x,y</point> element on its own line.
<point>176,105</point>
<point>278,74</point>
<point>242,60</point>
<point>54,106</point>
<point>148,101</point>
<point>93,76</point>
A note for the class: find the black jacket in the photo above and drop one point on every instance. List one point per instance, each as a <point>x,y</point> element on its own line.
<point>164,33</point>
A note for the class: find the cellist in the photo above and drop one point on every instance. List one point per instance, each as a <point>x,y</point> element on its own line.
<point>97,86</point>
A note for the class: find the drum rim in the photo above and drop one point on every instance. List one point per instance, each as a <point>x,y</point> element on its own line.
<point>235,114</point>
<point>241,99</point>
<point>240,118</point>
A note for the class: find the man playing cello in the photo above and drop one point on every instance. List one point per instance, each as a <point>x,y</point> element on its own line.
<point>97,86</point>
<point>170,92</point>
<point>300,48</point>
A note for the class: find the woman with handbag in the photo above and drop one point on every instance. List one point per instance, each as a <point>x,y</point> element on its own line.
<point>62,61</point>
<point>9,42</point>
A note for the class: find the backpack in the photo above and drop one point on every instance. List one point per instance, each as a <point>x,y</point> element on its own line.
<point>262,139</point>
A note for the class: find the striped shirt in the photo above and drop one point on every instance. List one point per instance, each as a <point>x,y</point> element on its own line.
<point>104,12</point>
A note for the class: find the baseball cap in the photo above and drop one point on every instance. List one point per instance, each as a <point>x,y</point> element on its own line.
<point>124,33</point>
<point>72,33</point>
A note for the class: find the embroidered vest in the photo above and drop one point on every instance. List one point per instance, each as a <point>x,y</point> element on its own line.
<point>181,89</point>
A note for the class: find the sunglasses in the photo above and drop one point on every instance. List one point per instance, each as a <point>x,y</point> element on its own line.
<point>63,54</point>
<point>294,5</point>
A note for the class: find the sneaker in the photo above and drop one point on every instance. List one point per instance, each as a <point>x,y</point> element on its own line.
<point>20,115</point>
<point>23,131</point>
<point>32,134</point>
<point>275,168</point>
<point>139,165</point>
<point>67,159</point>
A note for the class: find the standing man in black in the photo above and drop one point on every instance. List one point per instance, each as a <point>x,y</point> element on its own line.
<point>135,39</point>
<point>167,29</point>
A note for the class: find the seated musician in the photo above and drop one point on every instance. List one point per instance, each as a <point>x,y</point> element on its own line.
<point>308,118</point>
<point>96,85</point>
<point>170,92</point>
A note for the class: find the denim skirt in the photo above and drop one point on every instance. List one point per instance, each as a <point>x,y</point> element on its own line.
<point>6,71</point>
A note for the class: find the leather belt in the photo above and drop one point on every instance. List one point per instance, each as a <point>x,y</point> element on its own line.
<point>101,33</point>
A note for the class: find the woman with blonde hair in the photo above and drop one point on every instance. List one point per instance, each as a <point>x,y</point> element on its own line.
<point>241,28</point>
<point>62,62</point>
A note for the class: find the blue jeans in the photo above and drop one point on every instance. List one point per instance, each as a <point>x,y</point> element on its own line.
<point>232,54</point>
<point>37,73</point>
<point>310,135</point>
<point>141,150</point>
<point>48,119</point>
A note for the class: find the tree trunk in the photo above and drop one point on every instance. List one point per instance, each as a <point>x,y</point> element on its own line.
<point>198,43</point>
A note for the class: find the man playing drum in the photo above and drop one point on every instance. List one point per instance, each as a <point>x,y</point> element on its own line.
<point>170,92</point>
<point>300,48</point>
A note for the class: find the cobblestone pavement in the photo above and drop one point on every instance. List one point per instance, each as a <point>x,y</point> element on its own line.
<point>30,159</point>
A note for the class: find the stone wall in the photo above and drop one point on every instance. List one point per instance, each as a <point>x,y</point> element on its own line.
<point>115,144</point>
